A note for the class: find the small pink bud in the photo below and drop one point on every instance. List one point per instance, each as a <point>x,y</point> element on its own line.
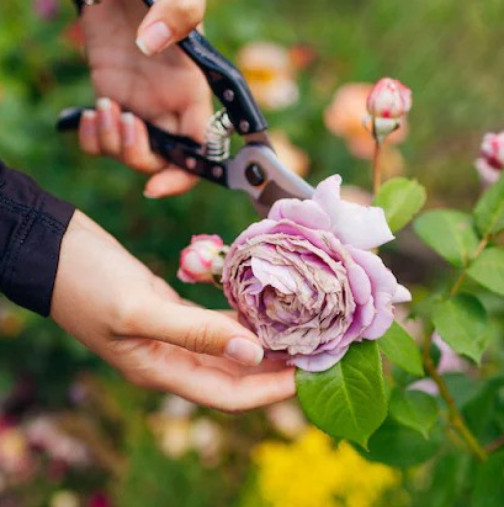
<point>200,261</point>
<point>389,98</point>
<point>491,161</point>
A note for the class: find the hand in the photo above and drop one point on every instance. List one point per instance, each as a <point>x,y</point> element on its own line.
<point>167,89</point>
<point>116,307</point>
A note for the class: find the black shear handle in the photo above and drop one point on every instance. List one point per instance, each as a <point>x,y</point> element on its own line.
<point>226,82</point>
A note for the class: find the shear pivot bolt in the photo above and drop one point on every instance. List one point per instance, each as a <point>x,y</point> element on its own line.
<point>255,175</point>
<point>229,95</point>
<point>244,126</point>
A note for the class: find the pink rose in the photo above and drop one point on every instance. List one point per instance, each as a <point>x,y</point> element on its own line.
<point>306,282</point>
<point>46,9</point>
<point>201,260</point>
<point>491,161</point>
<point>389,98</point>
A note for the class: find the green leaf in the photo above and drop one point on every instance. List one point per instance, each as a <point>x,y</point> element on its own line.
<point>399,446</point>
<point>414,409</point>
<point>401,199</point>
<point>399,347</point>
<point>462,323</point>
<point>348,400</point>
<point>489,211</point>
<point>488,269</point>
<point>489,487</point>
<point>450,233</point>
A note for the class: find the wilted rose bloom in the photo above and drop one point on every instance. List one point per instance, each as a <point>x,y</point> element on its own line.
<point>389,98</point>
<point>344,118</point>
<point>491,161</point>
<point>46,9</point>
<point>269,72</point>
<point>306,281</point>
<point>200,261</point>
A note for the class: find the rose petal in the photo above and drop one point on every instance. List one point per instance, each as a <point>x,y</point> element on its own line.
<point>364,227</point>
<point>319,362</point>
<point>307,213</point>
<point>402,295</point>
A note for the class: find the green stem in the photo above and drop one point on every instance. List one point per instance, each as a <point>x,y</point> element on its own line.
<point>376,168</point>
<point>463,275</point>
<point>455,417</point>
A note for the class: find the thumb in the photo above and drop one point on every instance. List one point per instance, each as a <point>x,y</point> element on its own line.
<point>196,329</point>
<point>167,22</point>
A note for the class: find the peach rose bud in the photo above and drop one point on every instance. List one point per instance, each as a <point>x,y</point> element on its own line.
<point>202,260</point>
<point>389,98</point>
<point>490,164</point>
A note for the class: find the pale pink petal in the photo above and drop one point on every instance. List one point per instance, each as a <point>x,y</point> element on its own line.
<point>363,227</point>
<point>319,362</point>
<point>402,295</point>
<point>306,213</point>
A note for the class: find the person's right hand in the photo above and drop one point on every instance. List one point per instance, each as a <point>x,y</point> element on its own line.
<point>115,306</point>
<point>160,85</point>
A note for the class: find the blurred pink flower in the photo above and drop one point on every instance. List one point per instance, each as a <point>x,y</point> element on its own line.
<point>99,499</point>
<point>46,9</point>
<point>270,74</point>
<point>287,418</point>
<point>491,161</point>
<point>291,156</point>
<point>15,457</point>
<point>344,118</point>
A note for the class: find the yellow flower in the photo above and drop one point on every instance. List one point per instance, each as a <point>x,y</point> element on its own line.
<point>312,473</point>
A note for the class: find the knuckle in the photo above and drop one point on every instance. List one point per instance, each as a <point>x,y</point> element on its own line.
<point>199,339</point>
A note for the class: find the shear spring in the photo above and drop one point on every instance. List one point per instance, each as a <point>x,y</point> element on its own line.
<point>218,133</point>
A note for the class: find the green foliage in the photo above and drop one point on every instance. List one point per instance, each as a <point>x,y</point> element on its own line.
<point>401,199</point>
<point>489,488</point>
<point>414,409</point>
<point>450,233</point>
<point>399,347</point>
<point>399,446</point>
<point>462,322</point>
<point>488,269</point>
<point>489,212</point>
<point>348,400</point>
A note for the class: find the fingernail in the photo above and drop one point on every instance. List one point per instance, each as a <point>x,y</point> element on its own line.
<point>105,118</point>
<point>244,351</point>
<point>88,123</point>
<point>154,38</point>
<point>128,129</point>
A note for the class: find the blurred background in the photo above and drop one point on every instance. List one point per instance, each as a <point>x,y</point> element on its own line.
<point>72,432</point>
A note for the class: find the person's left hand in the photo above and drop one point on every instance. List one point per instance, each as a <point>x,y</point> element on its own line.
<point>166,89</point>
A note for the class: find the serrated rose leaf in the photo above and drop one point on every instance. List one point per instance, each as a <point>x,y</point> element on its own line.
<point>348,400</point>
<point>400,349</point>
<point>488,270</point>
<point>462,322</point>
<point>414,409</point>
<point>401,199</point>
<point>450,233</point>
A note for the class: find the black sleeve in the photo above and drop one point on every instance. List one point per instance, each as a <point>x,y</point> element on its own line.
<point>32,224</point>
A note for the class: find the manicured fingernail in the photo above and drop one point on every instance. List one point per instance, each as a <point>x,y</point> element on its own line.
<point>154,38</point>
<point>244,351</point>
<point>149,194</point>
<point>128,129</point>
<point>88,123</point>
<point>105,118</point>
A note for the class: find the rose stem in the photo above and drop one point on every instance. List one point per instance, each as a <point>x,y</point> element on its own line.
<point>455,417</point>
<point>461,279</point>
<point>376,168</point>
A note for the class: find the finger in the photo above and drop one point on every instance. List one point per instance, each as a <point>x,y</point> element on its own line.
<point>195,329</point>
<point>168,21</point>
<point>171,181</point>
<point>109,127</point>
<point>88,133</point>
<point>136,151</point>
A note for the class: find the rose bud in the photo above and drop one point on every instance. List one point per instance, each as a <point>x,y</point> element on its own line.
<point>389,98</point>
<point>202,260</point>
<point>306,281</point>
<point>491,161</point>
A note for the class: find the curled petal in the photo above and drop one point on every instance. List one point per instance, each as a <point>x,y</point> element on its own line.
<point>306,213</point>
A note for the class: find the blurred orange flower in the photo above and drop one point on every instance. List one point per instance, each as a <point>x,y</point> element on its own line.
<point>289,154</point>
<point>344,118</point>
<point>270,74</point>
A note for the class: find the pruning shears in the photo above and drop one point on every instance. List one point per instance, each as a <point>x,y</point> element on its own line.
<point>255,168</point>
